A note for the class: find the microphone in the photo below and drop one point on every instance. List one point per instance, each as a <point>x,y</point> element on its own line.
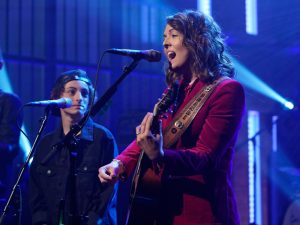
<point>59,103</point>
<point>149,55</point>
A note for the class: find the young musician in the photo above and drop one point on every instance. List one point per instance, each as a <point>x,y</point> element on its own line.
<point>63,183</point>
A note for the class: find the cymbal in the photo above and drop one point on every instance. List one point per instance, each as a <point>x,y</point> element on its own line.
<point>293,171</point>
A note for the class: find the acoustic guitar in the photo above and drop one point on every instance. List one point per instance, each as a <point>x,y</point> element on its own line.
<point>145,187</point>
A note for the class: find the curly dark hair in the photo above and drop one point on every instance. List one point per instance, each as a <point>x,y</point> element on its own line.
<point>204,40</point>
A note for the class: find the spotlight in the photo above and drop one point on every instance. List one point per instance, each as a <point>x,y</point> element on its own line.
<point>289,105</point>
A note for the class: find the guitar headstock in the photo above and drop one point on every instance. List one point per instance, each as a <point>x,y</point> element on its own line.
<point>167,99</point>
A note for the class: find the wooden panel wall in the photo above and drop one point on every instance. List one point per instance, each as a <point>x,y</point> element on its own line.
<point>40,39</point>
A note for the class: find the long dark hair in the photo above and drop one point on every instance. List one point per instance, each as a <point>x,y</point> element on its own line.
<point>204,40</point>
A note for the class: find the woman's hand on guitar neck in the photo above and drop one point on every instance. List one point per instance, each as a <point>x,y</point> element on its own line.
<point>149,142</point>
<point>111,172</point>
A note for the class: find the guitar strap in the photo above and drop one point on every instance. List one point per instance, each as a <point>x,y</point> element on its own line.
<point>182,121</point>
<point>171,134</point>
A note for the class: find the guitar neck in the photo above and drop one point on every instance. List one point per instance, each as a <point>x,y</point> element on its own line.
<point>155,125</point>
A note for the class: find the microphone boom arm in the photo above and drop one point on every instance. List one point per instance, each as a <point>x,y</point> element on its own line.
<point>75,129</point>
<point>110,92</point>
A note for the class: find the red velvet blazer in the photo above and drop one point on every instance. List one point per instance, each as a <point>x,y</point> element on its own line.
<point>197,169</point>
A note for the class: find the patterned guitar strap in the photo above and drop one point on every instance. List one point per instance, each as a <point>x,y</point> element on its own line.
<point>182,121</point>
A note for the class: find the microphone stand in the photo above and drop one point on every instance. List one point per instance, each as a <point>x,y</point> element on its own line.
<point>20,175</point>
<point>71,135</point>
<point>70,138</point>
<point>109,93</point>
<point>254,144</point>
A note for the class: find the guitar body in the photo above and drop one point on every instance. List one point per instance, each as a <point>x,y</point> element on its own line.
<point>144,201</point>
<point>146,183</point>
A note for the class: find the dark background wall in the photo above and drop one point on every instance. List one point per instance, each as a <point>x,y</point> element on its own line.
<point>40,39</point>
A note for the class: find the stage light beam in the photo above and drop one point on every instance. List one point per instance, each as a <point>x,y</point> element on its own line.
<point>250,80</point>
<point>289,105</point>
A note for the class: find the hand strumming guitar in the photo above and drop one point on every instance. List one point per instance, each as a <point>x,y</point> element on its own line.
<point>151,143</point>
<point>146,140</point>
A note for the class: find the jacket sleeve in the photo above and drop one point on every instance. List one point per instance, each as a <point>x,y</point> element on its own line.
<point>218,133</point>
<point>104,200</point>
<point>37,202</point>
<point>129,157</point>
<point>9,132</point>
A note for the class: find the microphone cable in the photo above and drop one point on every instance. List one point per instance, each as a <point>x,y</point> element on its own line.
<point>86,117</point>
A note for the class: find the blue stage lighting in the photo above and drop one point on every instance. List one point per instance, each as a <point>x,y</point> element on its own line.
<point>204,6</point>
<point>250,80</point>
<point>289,105</point>
<point>254,168</point>
<point>251,17</point>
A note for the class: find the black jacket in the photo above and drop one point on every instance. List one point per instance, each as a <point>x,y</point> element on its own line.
<point>56,193</point>
<point>9,139</point>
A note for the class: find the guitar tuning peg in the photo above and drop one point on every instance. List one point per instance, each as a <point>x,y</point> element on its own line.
<point>164,116</point>
<point>170,111</point>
